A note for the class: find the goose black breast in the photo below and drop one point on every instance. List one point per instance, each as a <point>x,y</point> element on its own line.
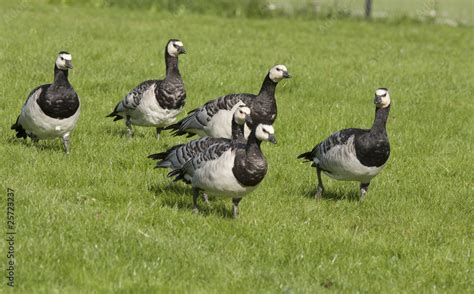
<point>263,111</point>
<point>372,149</point>
<point>170,94</point>
<point>58,102</point>
<point>249,171</point>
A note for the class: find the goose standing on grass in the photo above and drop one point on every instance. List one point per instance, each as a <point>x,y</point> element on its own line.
<point>177,156</point>
<point>231,169</point>
<point>155,103</point>
<point>211,119</point>
<point>51,110</point>
<point>355,154</point>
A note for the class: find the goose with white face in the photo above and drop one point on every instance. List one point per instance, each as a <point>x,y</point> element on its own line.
<point>382,98</point>
<point>64,61</point>
<point>265,133</point>
<point>175,48</point>
<point>279,72</point>
<point>242,115</point>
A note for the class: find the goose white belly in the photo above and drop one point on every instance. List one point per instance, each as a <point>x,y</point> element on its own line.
<point>216,177</point>
<point>341,163</point>
<point>36,122</point>
<point>220,125</point>
<point>150,114</point>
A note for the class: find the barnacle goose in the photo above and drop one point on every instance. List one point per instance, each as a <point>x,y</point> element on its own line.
<point>231,168</point>
<point>211,119</point>
<point>177,156</point>
<point>355,154</point>
<point>155,103</point>
<point>51,110</point>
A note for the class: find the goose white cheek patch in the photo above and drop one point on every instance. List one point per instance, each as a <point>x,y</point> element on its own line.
<point>276,73</point>
<point>385,101</point>
<point>273,76</point>
<point>172,50</point>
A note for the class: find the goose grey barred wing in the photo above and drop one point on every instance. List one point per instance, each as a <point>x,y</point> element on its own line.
<point>178,155</point>
<point>339,138</point>
<point>132,99</point>
<point>226,102</point>
<point>200,117</point>
<point>34,94</point>
<point>336,149</point>
<point>186,172</point>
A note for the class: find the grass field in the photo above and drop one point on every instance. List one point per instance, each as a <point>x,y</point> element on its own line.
<point>452,12</point>
<point>103,220</point>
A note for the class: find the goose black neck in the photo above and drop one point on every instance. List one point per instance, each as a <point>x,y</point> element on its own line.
<point>380,121</point>
<point>268,87</point>
<point>237,131</point>
<point>171,65</point>
<point>253,144</point>
<point>60,76</point>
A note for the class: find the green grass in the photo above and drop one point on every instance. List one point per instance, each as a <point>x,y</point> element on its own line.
<point>103,220</point>
<point>452,12</point>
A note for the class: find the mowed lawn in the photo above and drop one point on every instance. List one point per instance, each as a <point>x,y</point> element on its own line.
<point>102,219</point>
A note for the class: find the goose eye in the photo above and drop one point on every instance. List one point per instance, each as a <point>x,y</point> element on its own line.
<point>62,58</point>
<point>278,69</point>
<point>175,46</point>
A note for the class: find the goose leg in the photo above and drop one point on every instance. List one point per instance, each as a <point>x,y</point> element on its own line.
<point>363,190</point>
<point>235,207</point>
<point>66,143</point>
<point>34,139</point>
<point>158,132</point>
<point>205,198</point>
<point>320,188</point>
<point>195,198</point>
<point>128,123</point>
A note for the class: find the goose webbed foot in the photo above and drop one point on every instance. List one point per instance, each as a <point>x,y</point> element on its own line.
<point>319,193</point>
<point>363,190</point>
<point>235,207</point>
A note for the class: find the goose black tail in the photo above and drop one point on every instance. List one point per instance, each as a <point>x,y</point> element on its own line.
<point>177,174</point>
<point>158,156</point>
<point>176,130</point>
<point>20,131</point>
<point>115,115</point>
<point>307,155</point>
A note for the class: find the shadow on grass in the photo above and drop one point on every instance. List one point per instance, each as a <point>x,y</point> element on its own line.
<point>41,145</point>
<point>176,195</point>
<point>123,133</point>
<point>333,196</point>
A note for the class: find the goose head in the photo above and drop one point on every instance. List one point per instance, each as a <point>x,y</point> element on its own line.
<point>278,72</point>
<point>64,60</point>
<point>265,132</point>
<point>175,47</point>
<point>242,115</point>
<point>382,98</point>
